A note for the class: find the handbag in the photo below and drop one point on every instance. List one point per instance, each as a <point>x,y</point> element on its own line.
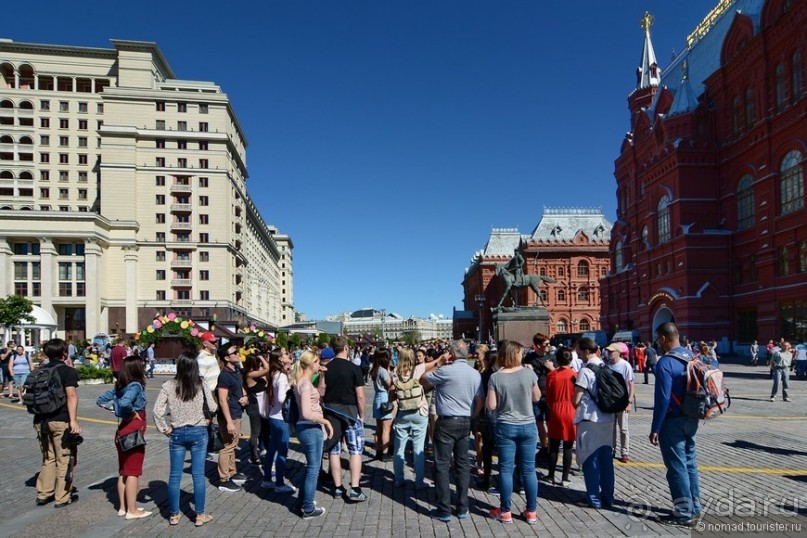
<point>214,442</point>
<point>131,440</point>
<point>388,407</point>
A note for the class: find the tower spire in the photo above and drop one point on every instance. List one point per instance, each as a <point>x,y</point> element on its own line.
<point>647,74</point>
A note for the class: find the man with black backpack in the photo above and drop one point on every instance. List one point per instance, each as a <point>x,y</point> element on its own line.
<point>52,398</point>
<point>595,426</point>
<point>673,431</point>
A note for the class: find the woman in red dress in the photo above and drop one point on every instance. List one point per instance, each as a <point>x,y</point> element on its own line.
<point>128,401</point>
<point>559,392</point>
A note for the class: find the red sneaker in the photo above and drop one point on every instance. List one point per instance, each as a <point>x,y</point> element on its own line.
<point>498,515</point>
<point>531,517</point>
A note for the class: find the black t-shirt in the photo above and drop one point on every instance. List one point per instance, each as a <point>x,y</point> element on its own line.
<point>69,378</point>
<point>341,381</point>
<point>4,359</point>
<point>234,383</point>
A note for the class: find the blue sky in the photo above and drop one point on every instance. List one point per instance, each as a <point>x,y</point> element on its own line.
<point>384,136</point>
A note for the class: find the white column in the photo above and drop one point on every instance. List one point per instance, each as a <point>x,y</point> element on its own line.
<point>36,81</point>
<point>130,266</point>
<point>92,85</point>
<point>6,269</point>
<point>47,274</point>
<point>92,260</point>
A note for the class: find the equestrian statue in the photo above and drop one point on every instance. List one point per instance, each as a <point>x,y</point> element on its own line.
<point>514,278</point>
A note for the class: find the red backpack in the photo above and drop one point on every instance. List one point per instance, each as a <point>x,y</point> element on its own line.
<point>707,395</point>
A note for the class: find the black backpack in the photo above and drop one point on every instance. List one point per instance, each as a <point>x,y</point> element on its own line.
<point>612,391</point>
<point>44,392</point>
<point>291,414</point>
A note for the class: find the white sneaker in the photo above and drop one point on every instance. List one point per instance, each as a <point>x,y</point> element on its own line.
<point>773,398</point>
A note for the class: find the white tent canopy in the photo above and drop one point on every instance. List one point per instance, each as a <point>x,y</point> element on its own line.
<point>43,322</point>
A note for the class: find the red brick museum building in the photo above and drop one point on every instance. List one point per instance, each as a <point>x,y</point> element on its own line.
<point>711,228</point>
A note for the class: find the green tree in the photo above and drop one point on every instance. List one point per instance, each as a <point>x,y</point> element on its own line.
<point>411,338</point>
<point>323,338</point>
<point>295,340</point>
<point>282,340</point>
<point>15,309</point>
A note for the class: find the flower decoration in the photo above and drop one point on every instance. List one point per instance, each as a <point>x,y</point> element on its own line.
<point>170,325</point>
<point>253,334</point>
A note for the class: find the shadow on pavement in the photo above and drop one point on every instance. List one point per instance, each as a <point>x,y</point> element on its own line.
<point>764,448</point>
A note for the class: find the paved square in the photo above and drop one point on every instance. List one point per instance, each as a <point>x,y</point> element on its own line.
<point>753,465</point>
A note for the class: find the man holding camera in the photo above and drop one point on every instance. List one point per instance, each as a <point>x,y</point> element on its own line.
<point>58,432</point>
<point>458,397</point>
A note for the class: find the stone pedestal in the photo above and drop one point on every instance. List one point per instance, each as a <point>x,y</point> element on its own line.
<point>521,324</point>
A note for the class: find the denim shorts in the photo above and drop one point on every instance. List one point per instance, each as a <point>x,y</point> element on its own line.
<point>354,435</point>
<point>19,379</point>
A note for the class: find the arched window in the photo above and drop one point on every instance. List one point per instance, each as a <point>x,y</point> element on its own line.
<point>753,269</point>
<point>561,271</point>
<point>750,109</point>
<point>561,326</point>
<point>646,236</point>
<point>582,295</point>
<point>663,219</point>
<point>542,293</point>
<point>561,296</point>
<point>745,203</point>
<point>585,325</point>
<point>618,256</point>
<point>735,114</point>
<point>542,271</point>
<point>791,183</point>
<point>780,87</point>
<point>582,269</point>
<point>798,76</point>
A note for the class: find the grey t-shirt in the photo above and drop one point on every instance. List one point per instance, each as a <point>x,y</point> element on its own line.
<point>456,385</point>
<point>514,396</point>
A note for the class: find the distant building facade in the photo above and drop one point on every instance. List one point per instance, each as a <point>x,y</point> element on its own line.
<point>569,245</point>
<point>711,227</point>
<point>392,326</point>
<point>123,194</point>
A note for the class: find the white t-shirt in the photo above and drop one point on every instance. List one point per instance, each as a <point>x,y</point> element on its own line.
<point>280,386</point>
<point>209,369</point>
<point>623,367</point>
<point>588,410</point>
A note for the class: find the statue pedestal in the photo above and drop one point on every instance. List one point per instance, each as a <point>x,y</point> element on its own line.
<point>521,324</point>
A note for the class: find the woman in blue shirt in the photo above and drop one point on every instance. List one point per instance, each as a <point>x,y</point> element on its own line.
<point>128,401</point>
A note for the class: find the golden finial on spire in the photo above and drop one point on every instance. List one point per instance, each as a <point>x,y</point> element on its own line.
<point>647,21</point>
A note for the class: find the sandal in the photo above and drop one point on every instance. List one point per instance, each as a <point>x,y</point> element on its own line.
<point>201,519</point>
<point>174,519</point>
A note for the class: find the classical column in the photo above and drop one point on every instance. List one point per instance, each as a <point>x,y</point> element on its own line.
<point>6,273</point>
<point>92,305</point>
<point>130,266</point>
<point>47,272</point>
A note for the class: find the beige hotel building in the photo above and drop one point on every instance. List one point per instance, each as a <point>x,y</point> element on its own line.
<point>123,194</point>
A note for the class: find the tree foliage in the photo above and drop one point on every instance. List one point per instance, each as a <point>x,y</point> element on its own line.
<point>411,338</point>
<point>282,340</point>
<point>15,309</point>
<point>295,340</point>
<point>324,338</point>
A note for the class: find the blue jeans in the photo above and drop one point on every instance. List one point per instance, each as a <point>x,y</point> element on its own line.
<point>451,437</point>
<point>311,438</point>
<point>517,442</point>
<point>677,442</point>
<point>193,438</point>
<point>409,424</point>
<point>778,373</point>
<point>598,474</point>
<point>277,451</point>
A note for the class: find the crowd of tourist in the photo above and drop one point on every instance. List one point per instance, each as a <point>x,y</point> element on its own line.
<point>528,406</point>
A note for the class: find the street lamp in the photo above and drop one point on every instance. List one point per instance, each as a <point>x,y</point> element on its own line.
<point>480,300</point>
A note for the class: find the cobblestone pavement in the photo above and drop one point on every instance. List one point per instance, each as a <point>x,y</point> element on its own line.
<point>753,465</point>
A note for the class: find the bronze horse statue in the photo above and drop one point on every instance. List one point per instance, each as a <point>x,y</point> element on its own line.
<point>526,281</point>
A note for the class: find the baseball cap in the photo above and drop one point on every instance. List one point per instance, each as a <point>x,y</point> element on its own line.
<point>208,336</point>
<point>619,347</point>
<point>327,354</point>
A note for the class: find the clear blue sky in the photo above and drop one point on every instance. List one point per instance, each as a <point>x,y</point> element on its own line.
<point>379,131</point>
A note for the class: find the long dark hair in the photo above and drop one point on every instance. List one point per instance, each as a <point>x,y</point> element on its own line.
<point>275,365</point>
<point>189,382</point>
<point>131,371</point>
<point>381,359</point>
<point>251,363</point>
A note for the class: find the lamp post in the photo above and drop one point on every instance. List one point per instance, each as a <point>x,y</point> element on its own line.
<point>480,300</point>
<point>383,320</point>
